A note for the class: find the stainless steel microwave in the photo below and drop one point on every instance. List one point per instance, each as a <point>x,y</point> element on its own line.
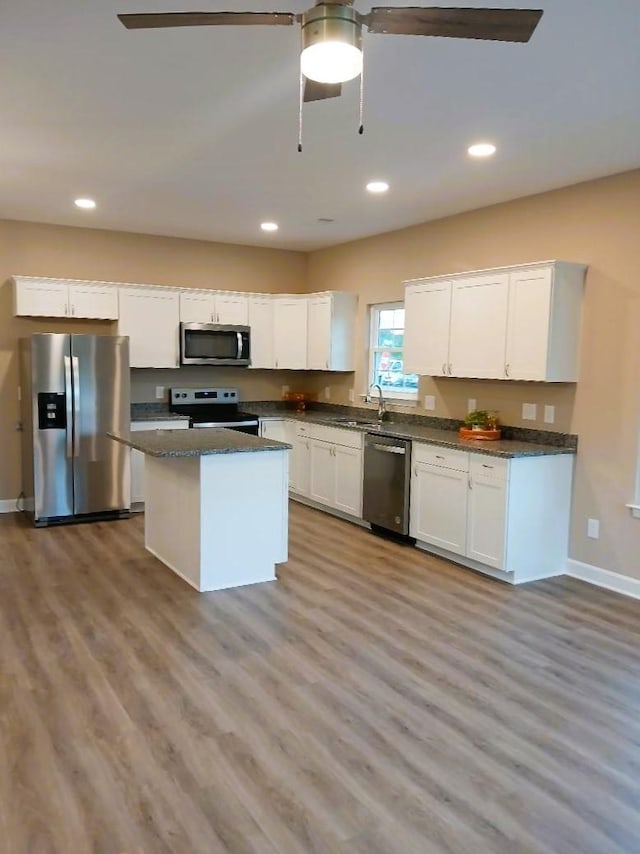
<point>214,344</point>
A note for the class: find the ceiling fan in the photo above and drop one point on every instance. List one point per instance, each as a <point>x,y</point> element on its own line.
<point>332,32</point>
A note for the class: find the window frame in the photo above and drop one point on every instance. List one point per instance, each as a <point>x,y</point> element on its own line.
<point>374,325</point>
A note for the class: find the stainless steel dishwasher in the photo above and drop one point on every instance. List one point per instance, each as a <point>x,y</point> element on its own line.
<point>387,476</point>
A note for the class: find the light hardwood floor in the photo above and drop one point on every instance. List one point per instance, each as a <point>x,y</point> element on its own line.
<point>374,699</point>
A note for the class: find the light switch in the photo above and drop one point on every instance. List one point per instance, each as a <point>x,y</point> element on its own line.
<point>549,414</point>
<point>529,411</point>
<point>285,389</point>
<point>472,404</point>
<point>593,529</point>
<point>430,401</point>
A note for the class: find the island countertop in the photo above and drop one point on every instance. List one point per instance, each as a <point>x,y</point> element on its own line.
<point>196,443</point>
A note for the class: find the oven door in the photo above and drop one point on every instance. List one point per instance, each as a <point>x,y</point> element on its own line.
<point>249,426</point>
<point>214,344</point>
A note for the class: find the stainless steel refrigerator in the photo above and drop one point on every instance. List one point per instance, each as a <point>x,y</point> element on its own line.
<point>74,388</point>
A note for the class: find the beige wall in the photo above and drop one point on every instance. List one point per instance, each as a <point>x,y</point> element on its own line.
<point>597,223</point>
<point>56,251</point>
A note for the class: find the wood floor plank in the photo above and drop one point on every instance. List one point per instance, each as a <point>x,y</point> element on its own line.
<point>374,698</point>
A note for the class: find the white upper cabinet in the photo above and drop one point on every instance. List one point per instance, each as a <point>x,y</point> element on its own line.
<point>232,308</point>
<point>290,333</point>
<point>478,326</point>
<point>426,331</point>
<point>214,307</point>
<point>261,324</point>
<point>150,317</point>
<point>197,306</point>
<point>520,323</point>
<point>331,325</point>
<point>41,297</point>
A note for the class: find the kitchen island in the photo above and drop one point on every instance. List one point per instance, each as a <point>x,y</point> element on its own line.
<point>216,509</point>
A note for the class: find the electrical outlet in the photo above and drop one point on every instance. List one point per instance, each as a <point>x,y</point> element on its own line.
<point>472,404</point>
<point>549,414</point>
<point>159,392</point>
<point>327,392</point>
<point>430,401</point>
<point>285,389</point>
<point>593,529</point>
<point>352,395</point>
<point>529,411</point>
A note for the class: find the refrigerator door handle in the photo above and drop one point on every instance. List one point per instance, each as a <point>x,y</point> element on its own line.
<point>75,370</point>
<point>68,397</point>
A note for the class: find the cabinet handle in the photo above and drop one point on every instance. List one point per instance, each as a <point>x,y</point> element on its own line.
<point>66,310</point>
<point>439,457</point>
<point>485,466</point>
<point>444,368</point>
<point>326,364</point>
<point>470,483</point>
<point>73,309</point>
<point>415,471</point>
<point>276,363</point>
<point>506,370</point>
<point>449,368</point>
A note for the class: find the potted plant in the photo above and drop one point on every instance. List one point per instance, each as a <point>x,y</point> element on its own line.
<point>480,424</point>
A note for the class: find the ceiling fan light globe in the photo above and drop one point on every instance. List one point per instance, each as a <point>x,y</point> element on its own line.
<point>331,62</point>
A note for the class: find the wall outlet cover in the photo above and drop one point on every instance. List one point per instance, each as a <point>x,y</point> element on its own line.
<point>549,414</point>
<point>159,392</point>
<point>327,392</point>
<point>430,402</point>
<point>352,395</point>
<point>284,389</point>
<point>529,411</point>
<point>593,529</point>
<point>472,404</point>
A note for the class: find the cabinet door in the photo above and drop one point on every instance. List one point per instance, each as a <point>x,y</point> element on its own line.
<point>137,457</point>
<point>479,326</point>
<point>42,298</point>
<point>150,319</point>
<point>299,473</point>
<point>290,333</point>
<point>322,472</point>
<point>438,510</point>
<point>348,480</point>
<point>319,339</point>
<point>261,323</point>
<point>95,301</point>
<point>486,520</point>
<point>274,429</point>
<point>232,308</point>
<point>528,326</point>
<point>197,307</point>
<point>426,330</point>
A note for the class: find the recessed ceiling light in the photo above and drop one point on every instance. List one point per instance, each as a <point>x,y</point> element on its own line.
<point>481,149</point>
<point>85,204</point>
<point>269,226</point>
<point>377,186</point>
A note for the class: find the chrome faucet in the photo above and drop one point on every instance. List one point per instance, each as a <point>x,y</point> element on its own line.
<point>382,407</point>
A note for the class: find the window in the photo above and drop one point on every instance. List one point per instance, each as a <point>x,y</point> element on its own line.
<point>386,361</point>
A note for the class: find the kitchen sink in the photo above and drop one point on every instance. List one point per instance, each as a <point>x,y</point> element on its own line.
<point>353,422</point>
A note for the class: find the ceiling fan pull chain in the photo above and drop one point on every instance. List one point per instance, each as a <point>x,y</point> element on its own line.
<point>361,125</point>
<point>300,99</point>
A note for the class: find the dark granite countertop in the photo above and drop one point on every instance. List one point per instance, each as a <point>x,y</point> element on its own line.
<point>196,443</point>
<point>428,433</point>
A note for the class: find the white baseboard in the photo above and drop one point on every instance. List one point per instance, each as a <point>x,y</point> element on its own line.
<point>623,584</point>
<point>8,505</point>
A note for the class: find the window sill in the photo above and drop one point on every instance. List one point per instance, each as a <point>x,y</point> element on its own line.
<point>635,510</point>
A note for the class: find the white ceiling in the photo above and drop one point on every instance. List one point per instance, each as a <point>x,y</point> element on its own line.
<point>193,132</point>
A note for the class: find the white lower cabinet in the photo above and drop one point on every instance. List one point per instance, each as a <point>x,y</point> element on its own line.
<point>137,457</point>
<point>325,465</point>
<point>438,506</point>
<point>507,517</point>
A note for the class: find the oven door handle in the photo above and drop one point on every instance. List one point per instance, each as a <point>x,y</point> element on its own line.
<point>252,423</point>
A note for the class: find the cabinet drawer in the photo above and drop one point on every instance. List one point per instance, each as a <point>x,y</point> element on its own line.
<point>443,457</point>
<point>481,465</point>
<point>334,435</point>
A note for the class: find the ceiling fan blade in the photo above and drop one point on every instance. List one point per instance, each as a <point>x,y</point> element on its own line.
<point>505,25</point>
<point>153,20</point>
<point>314,91</point>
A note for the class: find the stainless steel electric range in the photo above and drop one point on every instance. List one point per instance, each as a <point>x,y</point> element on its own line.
<point>213,407</point>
